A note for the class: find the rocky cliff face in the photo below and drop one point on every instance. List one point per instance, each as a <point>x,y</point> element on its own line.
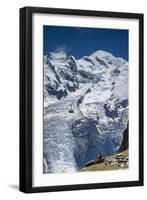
<point>125,142</point>
<point>96,87</point>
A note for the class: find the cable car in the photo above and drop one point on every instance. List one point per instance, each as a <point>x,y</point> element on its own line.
<point>71,109</point>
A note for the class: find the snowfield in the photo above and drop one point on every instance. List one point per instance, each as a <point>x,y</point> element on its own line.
<point>95,89</point>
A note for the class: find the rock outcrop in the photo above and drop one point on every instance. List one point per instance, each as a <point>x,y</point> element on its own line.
<point>114,162</point>
<point>125,144</point>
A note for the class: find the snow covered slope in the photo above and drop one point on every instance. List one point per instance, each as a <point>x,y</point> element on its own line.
<point>95,90</point>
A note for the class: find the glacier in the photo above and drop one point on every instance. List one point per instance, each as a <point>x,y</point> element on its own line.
<point>96,86</point>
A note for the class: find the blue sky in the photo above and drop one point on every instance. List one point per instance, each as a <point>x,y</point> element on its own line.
<point>84,41</point>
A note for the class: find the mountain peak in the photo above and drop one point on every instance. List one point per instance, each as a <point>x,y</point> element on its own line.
<point>58,54</point>
<point>102,54</point>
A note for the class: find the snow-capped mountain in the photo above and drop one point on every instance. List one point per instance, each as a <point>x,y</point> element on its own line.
<point>85,108</point>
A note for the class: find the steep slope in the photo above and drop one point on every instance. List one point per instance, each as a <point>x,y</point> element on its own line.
<point>96,89</point>
<point>59,74</point>
<point>125,141</point>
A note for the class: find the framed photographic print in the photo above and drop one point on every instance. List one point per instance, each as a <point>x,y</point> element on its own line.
<point>81,99</point>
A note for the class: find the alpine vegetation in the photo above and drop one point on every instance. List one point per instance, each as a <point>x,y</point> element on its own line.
<point>85,111</point>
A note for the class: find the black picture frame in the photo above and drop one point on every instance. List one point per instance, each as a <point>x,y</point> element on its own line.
<point>26,92</point>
